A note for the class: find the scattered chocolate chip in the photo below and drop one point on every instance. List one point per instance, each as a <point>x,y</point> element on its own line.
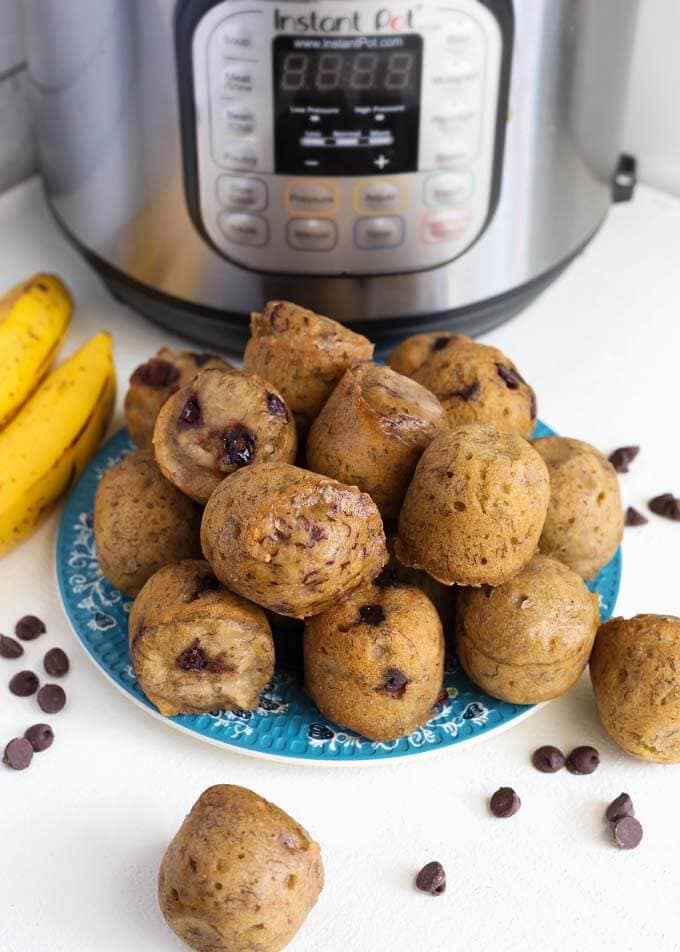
<point>201,359</point>
<point>204,583</point>
<point>548,759</point>
<point>56,663</point>
<point>40,737</point>
<point>18,754</point>
<point>371,614</point>
<point>635,518</point>
<point>442,698</point>
<point>439,343</point>
<point>29,627</point>
<point>627,832</point>
<point>395,682</point>
<point>155,373</point>
<point>276,406</point>
<point>277,317</point>
<point>51,698</point>
<point>239,445</point>
<point>192,658</point>
<point>468,392</point>
<point>24,683</point>
<point>533,409</point>
<point>583,760</point>
<point>432,879</point>
<point>504,802</point>
<point>511,378</point>
<point>621,457</point>
<point>666,505</point>
<point>9,648</point>
<point>191,414</point>
<point>620,807</point>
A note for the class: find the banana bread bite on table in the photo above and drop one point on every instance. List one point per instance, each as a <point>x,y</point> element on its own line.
<point>584,525</point>
<point>528,640</point>
<point>475,508</point>
<point>141,522</point>
<point>414,351</point>
<point>372,431</point>
<point>240,875</point>
<point>195,646</point>
<point>635,671</point>
<point>474,382</point>
<point>290,540</point>
<point>374,662</point>
<point>302,354</point>
<point>220,422</point>
<point>154,381</point>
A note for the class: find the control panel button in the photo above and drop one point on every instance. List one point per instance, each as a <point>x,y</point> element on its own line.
<point>459,29</point>
<point>444,226</point>
<point>311,198</point>
<point>378,196</point>
<point>312,234</point>
<point>237,36</point>
<point>237,77</point>
<point>240,119</point>
<point>234,191</point>
<point>447,188</point>
<point>385,231</point>
<point>458,152</point>
<point>244,229</point>
<point>238,155</point>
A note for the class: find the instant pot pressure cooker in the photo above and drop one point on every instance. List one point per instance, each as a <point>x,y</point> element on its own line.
<point>400,166</point>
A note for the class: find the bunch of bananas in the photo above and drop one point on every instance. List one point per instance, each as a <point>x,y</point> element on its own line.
<point>50,426</point>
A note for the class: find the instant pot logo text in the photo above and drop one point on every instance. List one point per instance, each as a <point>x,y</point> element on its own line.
<point>384,20</point>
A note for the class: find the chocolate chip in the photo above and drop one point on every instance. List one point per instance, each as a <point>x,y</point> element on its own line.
<point>191,414</point>
<point>277,317</point>
<point>620,807</point>
<point>276,406</point>
<point>18,754</point>
<point>371,614</point>
<point>192,658</point>
<point>201,359</point>
<point>469,392</point>
<point>56,663</point>
<point>442,698</point>
<point>533,410</point>
<point>583,760</point>
<point>634,518</point>
<point>40,737</point>
<point>548,759</point>
<point>621,457</point>
<point>239,445</point>
<point>155,373</point>
<point>627,833</point>
<point>29,627</point>
<point>51,698</point>
<point>432,879</point>
<point>204,583</point>
<point>9,648</point>
<point>666,505</point>
<point>439,343</point>
<point>395,682</point>
<point>504,802</point>
<point>510,377</point>
<point>24,684</point>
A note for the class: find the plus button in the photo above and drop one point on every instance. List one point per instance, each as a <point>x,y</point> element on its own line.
<point>381,162</point>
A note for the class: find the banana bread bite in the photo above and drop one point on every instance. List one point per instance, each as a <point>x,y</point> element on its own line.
<point>635,670</point>
<point>475,508</point>
<point>584,525</point>
<point>290,540</point>
<point>195,646</point>
<point>374,662</point>
<point>141,522</point>
<point>372,431</point>
<point>302,354</point>
<point>414,351</point>
<point>528,640</point>
<point>220,422</point>
<point>154,381</point>
<point>240,875</point>
<point>477,384</point>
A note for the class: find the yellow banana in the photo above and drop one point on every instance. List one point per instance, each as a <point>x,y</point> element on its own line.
<point>34,317</point>
<point>50,441</point>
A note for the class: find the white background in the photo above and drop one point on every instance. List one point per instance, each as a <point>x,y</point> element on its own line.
<point>82,831</point>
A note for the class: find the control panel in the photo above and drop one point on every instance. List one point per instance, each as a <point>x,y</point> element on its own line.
<point>344,138</point>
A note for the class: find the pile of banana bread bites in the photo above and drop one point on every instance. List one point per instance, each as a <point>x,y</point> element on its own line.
<point>390,507</point>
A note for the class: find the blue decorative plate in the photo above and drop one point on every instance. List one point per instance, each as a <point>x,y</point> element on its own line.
<point>286,723</point>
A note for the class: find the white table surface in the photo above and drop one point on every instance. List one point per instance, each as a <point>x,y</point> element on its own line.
<point>82,831</point>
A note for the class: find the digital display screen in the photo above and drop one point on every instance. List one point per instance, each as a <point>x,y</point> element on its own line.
<point>346,105</point>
